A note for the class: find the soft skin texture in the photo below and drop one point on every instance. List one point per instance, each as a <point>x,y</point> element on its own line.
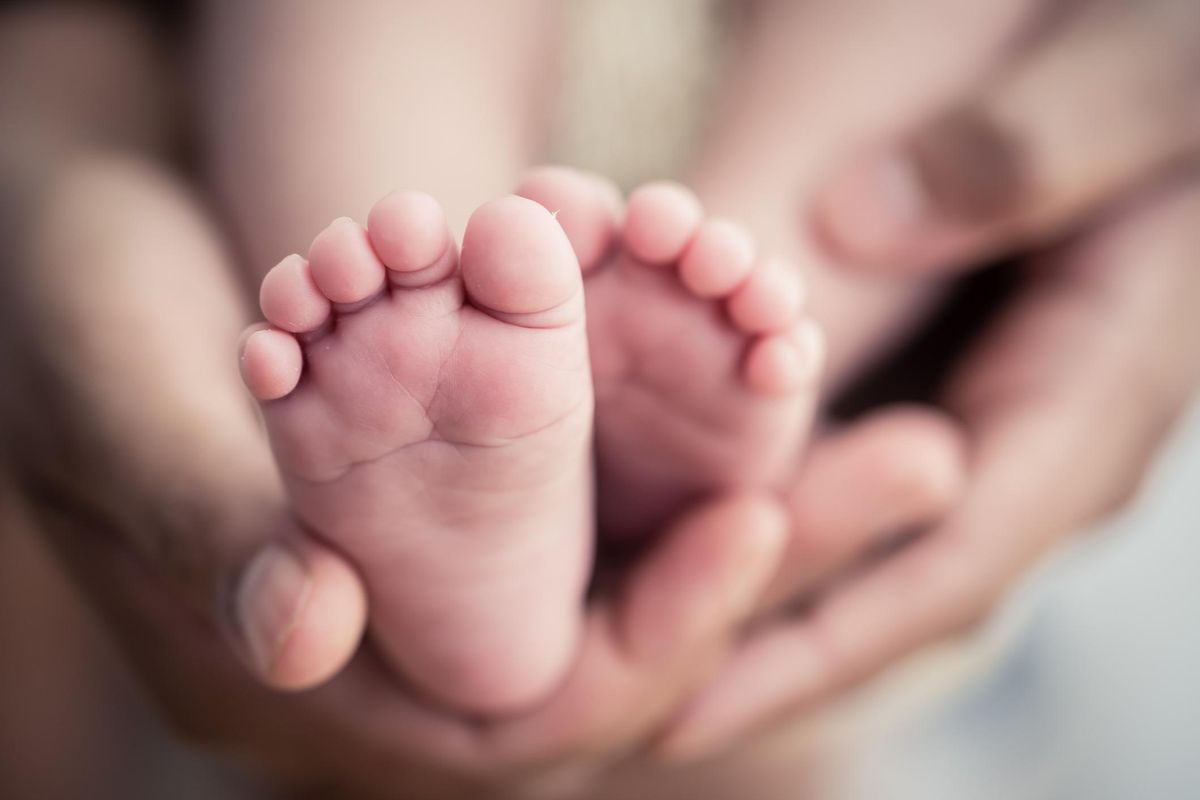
<point>434,424</point>
<point>432,418</point>
<point>122,423</point>
<point>705,366</point>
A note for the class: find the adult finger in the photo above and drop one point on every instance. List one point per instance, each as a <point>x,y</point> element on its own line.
<point>1092,109</point>
<point>644,647</point>
<point>130,412</point>
<point>888,475</point>
<point>660,635</point>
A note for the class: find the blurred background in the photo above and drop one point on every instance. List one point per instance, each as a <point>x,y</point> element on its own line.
<point>1098,695</point>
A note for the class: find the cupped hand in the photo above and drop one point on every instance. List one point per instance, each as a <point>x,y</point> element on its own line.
<point>647,645</point>
<point>1081,143</point>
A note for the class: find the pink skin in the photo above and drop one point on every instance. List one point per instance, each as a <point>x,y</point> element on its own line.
<point>431,416</point>
<point>702,360</point>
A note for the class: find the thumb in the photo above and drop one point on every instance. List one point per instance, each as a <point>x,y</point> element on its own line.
<point>1086,115</point>
<point>294,610</point>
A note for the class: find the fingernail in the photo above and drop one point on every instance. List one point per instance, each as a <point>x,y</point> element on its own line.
<point>272,594</point>
<point>875,207</point>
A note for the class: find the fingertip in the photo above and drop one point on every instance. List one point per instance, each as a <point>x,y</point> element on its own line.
<point>761,523</point>
<point>933,201</point>
<point>300,611</point>
<point>697,585</point>
<point>872,208</point>
<point>920,460</point>
<point>328,629</point>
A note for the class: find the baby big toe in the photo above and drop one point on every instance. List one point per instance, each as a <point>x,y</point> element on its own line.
<point>518,264</point>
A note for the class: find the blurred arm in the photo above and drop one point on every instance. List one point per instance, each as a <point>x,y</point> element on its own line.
<point>315,110</point>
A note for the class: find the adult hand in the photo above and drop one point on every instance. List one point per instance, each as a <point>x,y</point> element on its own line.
<point>1070,393</point>
<point>140,457</point>
<point>1089,101</point>
<point>367,734</point>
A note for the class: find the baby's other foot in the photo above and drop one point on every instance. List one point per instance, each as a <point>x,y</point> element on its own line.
<point>432,415</point>
<point>703,363</point>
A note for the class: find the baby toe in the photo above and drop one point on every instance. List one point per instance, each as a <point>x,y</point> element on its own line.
<point>410,235</point>
<point>271,363</point>
<point>660,220</point>
<point>343,265</point>
<point>718,260</point>
<point>290,298</point>
<point>783,363</point>
<point>769,300</point>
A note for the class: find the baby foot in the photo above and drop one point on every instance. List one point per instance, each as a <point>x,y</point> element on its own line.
<point>702,360</point>
<point>431,415</point>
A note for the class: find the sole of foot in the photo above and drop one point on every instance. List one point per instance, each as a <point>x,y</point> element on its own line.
<point>431,414</point>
